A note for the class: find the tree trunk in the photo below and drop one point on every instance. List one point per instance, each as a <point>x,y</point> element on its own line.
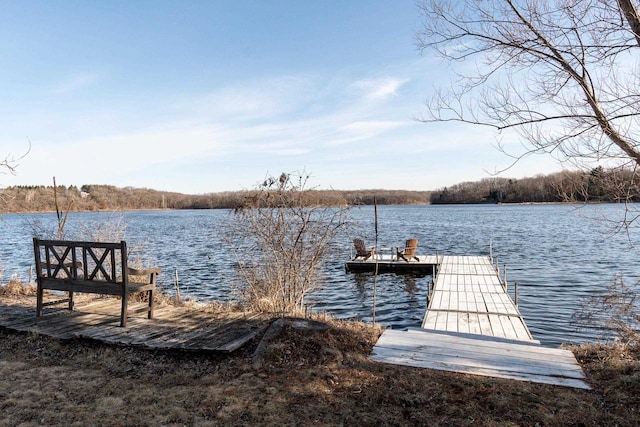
<point>632,17</point>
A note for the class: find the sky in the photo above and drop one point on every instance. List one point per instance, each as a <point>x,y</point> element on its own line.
<point>210,96</point>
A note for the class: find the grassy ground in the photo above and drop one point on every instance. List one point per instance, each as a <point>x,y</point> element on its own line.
<point>306,377</point>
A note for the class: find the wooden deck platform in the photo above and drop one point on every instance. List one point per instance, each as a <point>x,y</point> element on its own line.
<point>473,326</point>
<point>172,327</point>
<point>390,263</point>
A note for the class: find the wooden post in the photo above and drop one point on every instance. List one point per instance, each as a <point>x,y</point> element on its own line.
<point>491,251</point>
<point>375,283</point>
<point>505,278</point>
<point>177,286</point>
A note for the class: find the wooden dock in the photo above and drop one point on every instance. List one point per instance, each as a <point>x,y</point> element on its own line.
<point>469,297</point>
<point>473,326</point>
<point>173,327</point>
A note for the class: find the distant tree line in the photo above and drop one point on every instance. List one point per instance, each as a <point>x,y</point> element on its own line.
<point>596,185</point>
<point>108,197</point>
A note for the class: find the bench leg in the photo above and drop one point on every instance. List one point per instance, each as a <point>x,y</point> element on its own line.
<point>123,313</point>
<point>71,303</point>
<point>39,302</point>
<point>150,313</point>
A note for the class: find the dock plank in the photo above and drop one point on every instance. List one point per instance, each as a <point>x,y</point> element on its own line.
<point>511,360</point>
<point>507,357</point>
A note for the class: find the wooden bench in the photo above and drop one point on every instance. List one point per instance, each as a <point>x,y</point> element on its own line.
<point>90,267</point>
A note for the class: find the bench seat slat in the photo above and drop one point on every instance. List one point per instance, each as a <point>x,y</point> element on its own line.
<point>80,285</point>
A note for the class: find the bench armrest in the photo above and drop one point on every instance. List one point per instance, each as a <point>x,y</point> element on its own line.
<point>142,272</point>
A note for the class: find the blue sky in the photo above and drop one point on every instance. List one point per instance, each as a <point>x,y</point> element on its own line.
<point>208,96</point>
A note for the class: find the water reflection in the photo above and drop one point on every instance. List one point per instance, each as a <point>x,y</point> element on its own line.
<point>411,288</point>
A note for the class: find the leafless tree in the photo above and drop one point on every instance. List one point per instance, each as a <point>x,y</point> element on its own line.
<point>281,243</point>
<point>562,73</point>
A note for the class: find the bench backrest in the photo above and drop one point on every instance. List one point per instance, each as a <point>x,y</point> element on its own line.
<point>73,265</point>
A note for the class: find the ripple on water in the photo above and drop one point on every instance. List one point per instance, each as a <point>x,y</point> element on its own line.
<point>559,255</point>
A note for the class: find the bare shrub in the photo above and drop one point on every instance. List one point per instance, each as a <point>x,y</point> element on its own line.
<point>280,243</point>
<point>616,309</point>
<point>113,229</point>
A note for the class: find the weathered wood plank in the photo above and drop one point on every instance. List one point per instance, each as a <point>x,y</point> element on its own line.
<point>485,325</point>
<point>474,324</point>
<point>467,358</point>
<point>476,356</point>
<point>226,338</point>
<point>179,328</point>
<point>237,342</point>
<point>461,368</point>
<point>65,327</point>
<point>525,356</point>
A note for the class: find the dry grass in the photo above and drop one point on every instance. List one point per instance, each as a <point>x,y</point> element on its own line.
<point>307,377</point>
<point>16,287</point>
<point>615,371</point>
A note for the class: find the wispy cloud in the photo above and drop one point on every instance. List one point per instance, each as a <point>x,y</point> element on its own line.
<point>74,83</point>
<point>259,99</point>
<point>363,130</point>
<point>379,88</point>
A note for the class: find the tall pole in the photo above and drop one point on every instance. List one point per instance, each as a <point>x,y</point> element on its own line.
<point>375,215</point>
<point>375,277</point>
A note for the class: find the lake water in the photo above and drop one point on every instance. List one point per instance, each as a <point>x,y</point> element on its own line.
<point>558,254</point>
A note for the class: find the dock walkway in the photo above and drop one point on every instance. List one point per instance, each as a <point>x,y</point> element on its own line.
<point>473,326</point>
<point>469,297</point>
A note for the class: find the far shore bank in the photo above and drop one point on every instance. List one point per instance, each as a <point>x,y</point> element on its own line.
<point>359,205</point>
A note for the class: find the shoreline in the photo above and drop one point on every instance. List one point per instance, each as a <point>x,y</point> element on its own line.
<point>319,376</point>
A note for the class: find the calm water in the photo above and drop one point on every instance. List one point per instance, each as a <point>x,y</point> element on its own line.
<point>558,254</point>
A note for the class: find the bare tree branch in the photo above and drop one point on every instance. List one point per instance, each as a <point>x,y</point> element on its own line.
<point>10,163</point>
<point>562,73</point>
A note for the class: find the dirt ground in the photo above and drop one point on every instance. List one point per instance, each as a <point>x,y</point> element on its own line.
<point>318,376</point>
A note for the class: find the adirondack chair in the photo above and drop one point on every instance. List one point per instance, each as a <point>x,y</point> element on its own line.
<point>361,250</point>
<point>409,251</point>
